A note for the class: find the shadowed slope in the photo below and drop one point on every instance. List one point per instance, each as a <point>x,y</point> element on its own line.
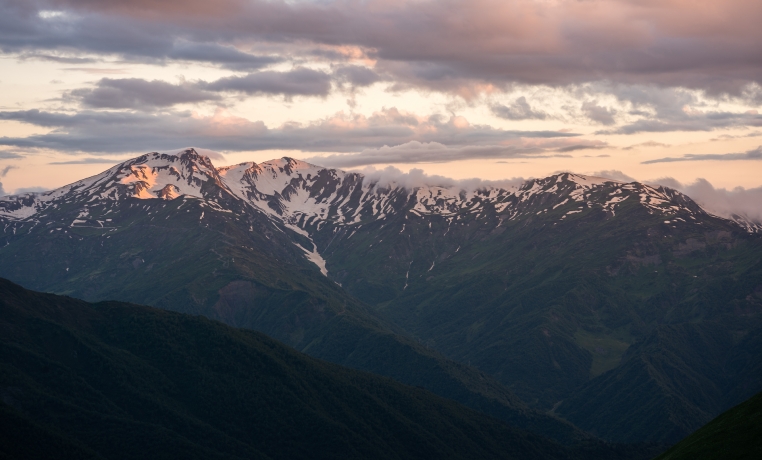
<point>115,380</point>
<point>734,434</point>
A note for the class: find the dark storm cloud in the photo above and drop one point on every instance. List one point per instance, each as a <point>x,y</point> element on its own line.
<point>755,154</point>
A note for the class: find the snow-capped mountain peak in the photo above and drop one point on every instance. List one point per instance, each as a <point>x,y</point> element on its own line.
<point>306,196</point>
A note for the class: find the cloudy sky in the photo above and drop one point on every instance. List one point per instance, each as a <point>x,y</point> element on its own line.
<point>494,89</point>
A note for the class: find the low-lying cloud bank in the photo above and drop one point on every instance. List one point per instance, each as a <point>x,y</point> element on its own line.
<point>417,138</point>
<point>434,152</point>
<point>391,176</point>
<point>722,202</point>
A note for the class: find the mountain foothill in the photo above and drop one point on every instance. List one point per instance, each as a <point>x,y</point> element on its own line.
<point>567,317</point>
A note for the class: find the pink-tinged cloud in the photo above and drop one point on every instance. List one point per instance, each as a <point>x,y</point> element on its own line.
<point>449,45</point>
<point>434,152</point>
<point>118,132</point>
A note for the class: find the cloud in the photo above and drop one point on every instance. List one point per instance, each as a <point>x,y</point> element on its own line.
<point>6,155</point>
<point>725,137</point>
<point>755,154</point>
<point>84,161</point>
<point>136,93</point>
<point>2,190</point>
<point>391,176</point>
<point>519,110</point>
<point>97,70</point>
<point>4,171</point>
<point>435,152</point>
<point>22,190</point>
<point>298,82</point>
<point>613,174</point>
<point>719,201</point>
<point>419,152</point>
<point>225,55</point>
<point>647,144</point>
<point>599,114</point>
<point>450,46</point>
<point>118,132</point>
<point>671,109</point>
<point>586,146</point>
<point>694,122</point>
<point>56,58</point>
<point>356,76</point>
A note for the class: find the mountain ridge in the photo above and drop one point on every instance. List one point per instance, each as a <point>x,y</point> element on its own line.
<point>550,287</point>
<point>305,197</point>
<point>220,257</point>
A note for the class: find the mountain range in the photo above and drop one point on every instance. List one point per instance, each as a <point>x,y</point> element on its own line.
<point>623,308</point>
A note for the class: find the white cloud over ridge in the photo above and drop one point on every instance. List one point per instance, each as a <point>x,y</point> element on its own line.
<point>721,202</point>
<point>744,202</point>
<point>391,176</point>
<point>435,152</point>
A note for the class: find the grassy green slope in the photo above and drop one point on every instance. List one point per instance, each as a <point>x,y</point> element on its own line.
<point>548,304</point>
<point>164,254</point>
<point>683,370</point>
<point>734,434</point>
<point>114,380</point>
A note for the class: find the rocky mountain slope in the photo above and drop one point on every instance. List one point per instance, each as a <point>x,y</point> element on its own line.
<point>548,288</point>
<point>574,291</point>
<point>122,235</point>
